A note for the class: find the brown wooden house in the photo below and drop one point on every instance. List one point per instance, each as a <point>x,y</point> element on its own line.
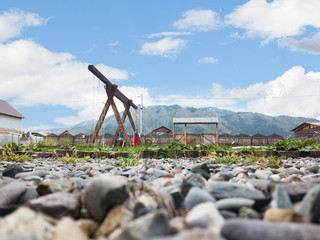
<point>309,130</point>
<point>161,130</point>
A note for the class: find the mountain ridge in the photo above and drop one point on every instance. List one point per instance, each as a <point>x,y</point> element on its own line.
<point>229,121</point>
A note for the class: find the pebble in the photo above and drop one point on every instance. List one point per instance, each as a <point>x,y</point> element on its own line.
<point>159,199</point>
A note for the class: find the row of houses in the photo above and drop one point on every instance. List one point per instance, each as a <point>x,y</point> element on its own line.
<point>11,124</point>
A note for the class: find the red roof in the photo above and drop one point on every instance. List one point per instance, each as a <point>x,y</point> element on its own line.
<point>7,109</point>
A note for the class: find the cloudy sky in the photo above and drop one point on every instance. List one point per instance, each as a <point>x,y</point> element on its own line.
<point>257,55</point>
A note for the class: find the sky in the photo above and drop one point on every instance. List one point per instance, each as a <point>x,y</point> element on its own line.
<point>241,55</point>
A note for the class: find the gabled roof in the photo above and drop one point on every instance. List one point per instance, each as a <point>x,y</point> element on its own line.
<point>161,127</point>
<point>7,109</point>
<point>303,125</point>
<point>66,132</point>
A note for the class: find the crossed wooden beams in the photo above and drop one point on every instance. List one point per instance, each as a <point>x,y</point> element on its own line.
<point>112,91</point>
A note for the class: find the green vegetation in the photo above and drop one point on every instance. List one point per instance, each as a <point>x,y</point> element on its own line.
<point>290,144</point>
<point>74,159</point>
<point>7,153</point>
<point>125,162</point>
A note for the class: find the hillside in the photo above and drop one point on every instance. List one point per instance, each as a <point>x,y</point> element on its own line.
<point>229,121</point>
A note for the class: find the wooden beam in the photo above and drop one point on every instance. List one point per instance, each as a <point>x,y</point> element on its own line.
<point>185,133</point>
<point>217,134</point>
<point>117,94</point>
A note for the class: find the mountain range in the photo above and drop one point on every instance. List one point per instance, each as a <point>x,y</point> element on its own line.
<point>229,122</point>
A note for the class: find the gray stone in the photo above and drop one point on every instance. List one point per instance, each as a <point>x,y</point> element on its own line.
<point>39,173</point>
<point>34,180</point>
<point>246,212</point>
<point>11,170</point>
<point>281,199</point>
<point>192,180</point>
<point>102,193</point>
<point>261,184</point>
<point>294,170</point>
<point>239,229</point>
<point>57,205</point>
<point>152,224</point>
<point>221,190</point>
<point>196,196</point>
<point>202,169</point>
<point>25,222</point>
<point>310,205</point>
<point>314,169</point>
<point>59,185</point>
<point>204,215</point>
<point>261,175</point>
<point>11,192</point>
<point>234,203</point>
<point>297,191</point>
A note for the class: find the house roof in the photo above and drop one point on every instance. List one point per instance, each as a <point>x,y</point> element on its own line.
<point>196,120</point>
<point>303,125</point>
<point>161,127</point>
<point>7,109</point>
<point>66,132</point>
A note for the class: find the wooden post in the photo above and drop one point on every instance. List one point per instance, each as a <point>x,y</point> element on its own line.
<point>185,133</point>
<point>217,134</point>
<point>174,131</point>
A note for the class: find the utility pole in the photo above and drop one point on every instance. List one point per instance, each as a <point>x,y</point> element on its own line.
<point>141,112</point>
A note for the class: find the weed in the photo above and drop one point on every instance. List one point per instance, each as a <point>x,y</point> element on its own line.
<point>124,162</point>
<point>67,159</point>
<point>227,159</point>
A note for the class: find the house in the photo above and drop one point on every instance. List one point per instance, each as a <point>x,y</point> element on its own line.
<point>10,123</point>
<point>307,130</point>
<point>161,130</point>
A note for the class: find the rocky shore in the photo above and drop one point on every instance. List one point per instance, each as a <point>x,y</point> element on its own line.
<point>159,199</point>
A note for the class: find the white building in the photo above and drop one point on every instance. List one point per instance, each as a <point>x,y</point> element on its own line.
<point>10,123</point>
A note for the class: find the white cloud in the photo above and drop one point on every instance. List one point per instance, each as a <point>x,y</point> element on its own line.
<point>209,60</point>
<point>12,22</point>
<point>310,45</point>
<point>275,19</point>
<point>113,44</point>
<point>168,34</point>
<point>294,93</point>
<point>32,75</point>
<point>166,47</point>
<point>198,20</point>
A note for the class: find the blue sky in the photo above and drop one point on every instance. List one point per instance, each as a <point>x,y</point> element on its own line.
<point>258,56</point>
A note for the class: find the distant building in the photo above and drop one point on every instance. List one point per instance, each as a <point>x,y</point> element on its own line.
<point>10,123</point>
<point>309,130</point>
<point>161,130</point>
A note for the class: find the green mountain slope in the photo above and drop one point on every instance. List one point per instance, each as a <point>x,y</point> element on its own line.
<point>229,121</point>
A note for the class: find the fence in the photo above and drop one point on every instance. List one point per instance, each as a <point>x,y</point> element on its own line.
<point>165,139</point>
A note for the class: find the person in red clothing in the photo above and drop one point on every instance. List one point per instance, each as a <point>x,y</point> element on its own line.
<point>135,139</point>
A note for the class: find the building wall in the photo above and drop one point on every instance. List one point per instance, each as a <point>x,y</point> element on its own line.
<point>10,123</point>
<point>10,129</point>
<point>312,133</point>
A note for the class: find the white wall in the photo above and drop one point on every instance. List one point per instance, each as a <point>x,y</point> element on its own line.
<point>11,123</point>
<point>8,124</point>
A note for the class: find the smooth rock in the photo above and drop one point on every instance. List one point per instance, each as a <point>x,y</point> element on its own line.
<point>314,169</point>
<point>282,215</point>
<point>59,185</point>
<point>196,196</point>
<point>57,205</point>
<point>246,212</point>
<point>11,192</point>
<point>261,175</point>
<point>221,190</point>
<point>203,215</point>
<point>118,217</point>
<point>239,229</point>
<point>310,205</point>
<point>26,222</point>
<point>234,203</point>
<point>11,170</point>
<point>88,226</point>
<point>202,169</point>
<point>145,204</point>
<point>152,224</point>
<point>68,229</point>
<point>192,180</point>
<point>281,199</point>
<point>102,193</point>
<point>39,173</point>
